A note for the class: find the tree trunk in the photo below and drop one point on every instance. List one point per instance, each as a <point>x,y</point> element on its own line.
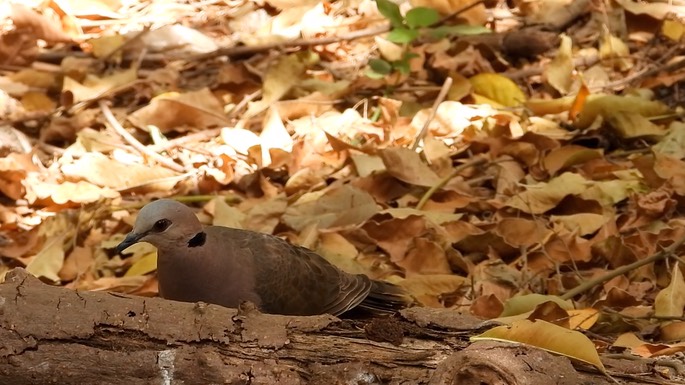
<point>52,335</point>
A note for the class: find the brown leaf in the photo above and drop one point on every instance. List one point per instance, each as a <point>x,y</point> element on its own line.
<point>407,166</point>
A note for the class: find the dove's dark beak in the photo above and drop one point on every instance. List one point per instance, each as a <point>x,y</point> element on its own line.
<point>131,238</point>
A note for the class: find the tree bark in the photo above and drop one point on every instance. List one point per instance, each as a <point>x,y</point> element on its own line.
<point>52,335</point>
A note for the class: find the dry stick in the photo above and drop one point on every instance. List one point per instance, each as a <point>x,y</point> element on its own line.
<point>621,270</point>
<point>245,50</point>
<point>441,97</point>
<point>241,105</point>
<point>668,68</point>
<point>134,142</point>
<point>443,181</point>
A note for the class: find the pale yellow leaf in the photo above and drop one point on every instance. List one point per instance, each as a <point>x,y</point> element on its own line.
<point>559,72</point>
<point>549,337</point>
<point>499,88</point>
<point>670,301</point>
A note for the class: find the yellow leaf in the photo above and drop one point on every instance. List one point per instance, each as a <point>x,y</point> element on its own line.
<point>582,318</point>
<point>541,197</point>
<point>673,29</point>
<point>48,262</point>
<point>524,303</point>
<point>559,72</point>
<point>499,88</point>
<point>146,264</point>
<point>610,105</point>
<point>611,47</point>
<point>549,337</point>
<point>670,301</point>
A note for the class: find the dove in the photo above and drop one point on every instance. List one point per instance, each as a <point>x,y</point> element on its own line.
<point>226,266</point>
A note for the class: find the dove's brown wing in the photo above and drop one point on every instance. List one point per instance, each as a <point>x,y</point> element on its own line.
<point>385,298</point>
<point>293,280</point>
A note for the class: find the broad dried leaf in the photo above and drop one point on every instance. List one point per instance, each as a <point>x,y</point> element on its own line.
<point>79,261</point>
<point>225,215</point>
<point>103,171</point>
<point>645,349</point>
<point>670,302</point>
<point>542,197</point>
<point>583,318</point>
<point>583,223</point>
<point>197,109</point>
<point>13,170</point>
<point>673,331</point>
<point>48,262</point>
<point>40,26</point>
<point>280,79</point>
<point>66,192</point>
<point>93,86</point>
<point>367,164</point>
<point>673,143</point>
<point>525,303</point>
<point>614,105</point>
<point>570,155</point>
<point>340,252</point>
<point>615,52</point>
<point>499,88</point>
<point>559,72</point>
<point>453,119</point>
<point>428,288</point>
<point>407,166</point>
<point>144,265</point>
<point>610,192</point>
<point>547,336</point>
<point>336,207</point>
<point>274,136</point>
<point>656,10</point>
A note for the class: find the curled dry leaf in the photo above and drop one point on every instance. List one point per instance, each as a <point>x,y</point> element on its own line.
<point>670,302</point>
<point>407,166</point>
<point>173,111</point>
<point>335,207</point>
<point>65,193</point>
<point>100,170</point>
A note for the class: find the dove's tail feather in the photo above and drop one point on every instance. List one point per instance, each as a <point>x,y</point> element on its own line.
<point>386,298</point>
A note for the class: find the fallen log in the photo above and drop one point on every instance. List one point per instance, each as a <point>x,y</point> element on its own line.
<point>52,335</point>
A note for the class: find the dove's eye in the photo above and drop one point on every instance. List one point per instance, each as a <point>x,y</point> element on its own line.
<point>161,225</point>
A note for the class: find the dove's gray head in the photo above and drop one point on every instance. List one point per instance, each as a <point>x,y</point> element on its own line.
<point>165,224</point>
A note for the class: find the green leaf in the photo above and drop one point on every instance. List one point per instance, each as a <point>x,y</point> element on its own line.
<point>402,35</point>
<point>372,74</point>
<point>422,17</point>
<point>391,11</point>
<point>402,66</point>
<point>458,30</point>
<point>380,66</point>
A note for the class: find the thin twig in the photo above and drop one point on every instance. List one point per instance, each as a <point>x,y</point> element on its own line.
<point>445,180</point>
<point>585,286</point>
<point>246,99</point>
<point>245,50</point>
<point>441,97</point>
<point>134,142</point>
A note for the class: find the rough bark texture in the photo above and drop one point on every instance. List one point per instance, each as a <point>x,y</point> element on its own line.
<point>51,335</point>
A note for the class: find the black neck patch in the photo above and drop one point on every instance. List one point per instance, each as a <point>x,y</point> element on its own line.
<point>198,240</point>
